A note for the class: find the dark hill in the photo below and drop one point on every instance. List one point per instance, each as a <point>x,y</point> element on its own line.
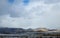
<point>11,30</point>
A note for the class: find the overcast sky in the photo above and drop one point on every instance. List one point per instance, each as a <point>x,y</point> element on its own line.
<point>30,13</point>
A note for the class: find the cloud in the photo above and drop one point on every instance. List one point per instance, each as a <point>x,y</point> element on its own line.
<point>51,1</point>
<point>30,13</point>
<point>3,7</point>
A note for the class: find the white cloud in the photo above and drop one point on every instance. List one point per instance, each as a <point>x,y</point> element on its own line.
<point>36,14</point>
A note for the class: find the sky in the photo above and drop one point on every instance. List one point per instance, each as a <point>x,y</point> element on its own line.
<point>30,14</point>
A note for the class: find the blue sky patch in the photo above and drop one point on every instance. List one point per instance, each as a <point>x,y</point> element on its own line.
<point>10,1</point>
<point>25,2</point>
